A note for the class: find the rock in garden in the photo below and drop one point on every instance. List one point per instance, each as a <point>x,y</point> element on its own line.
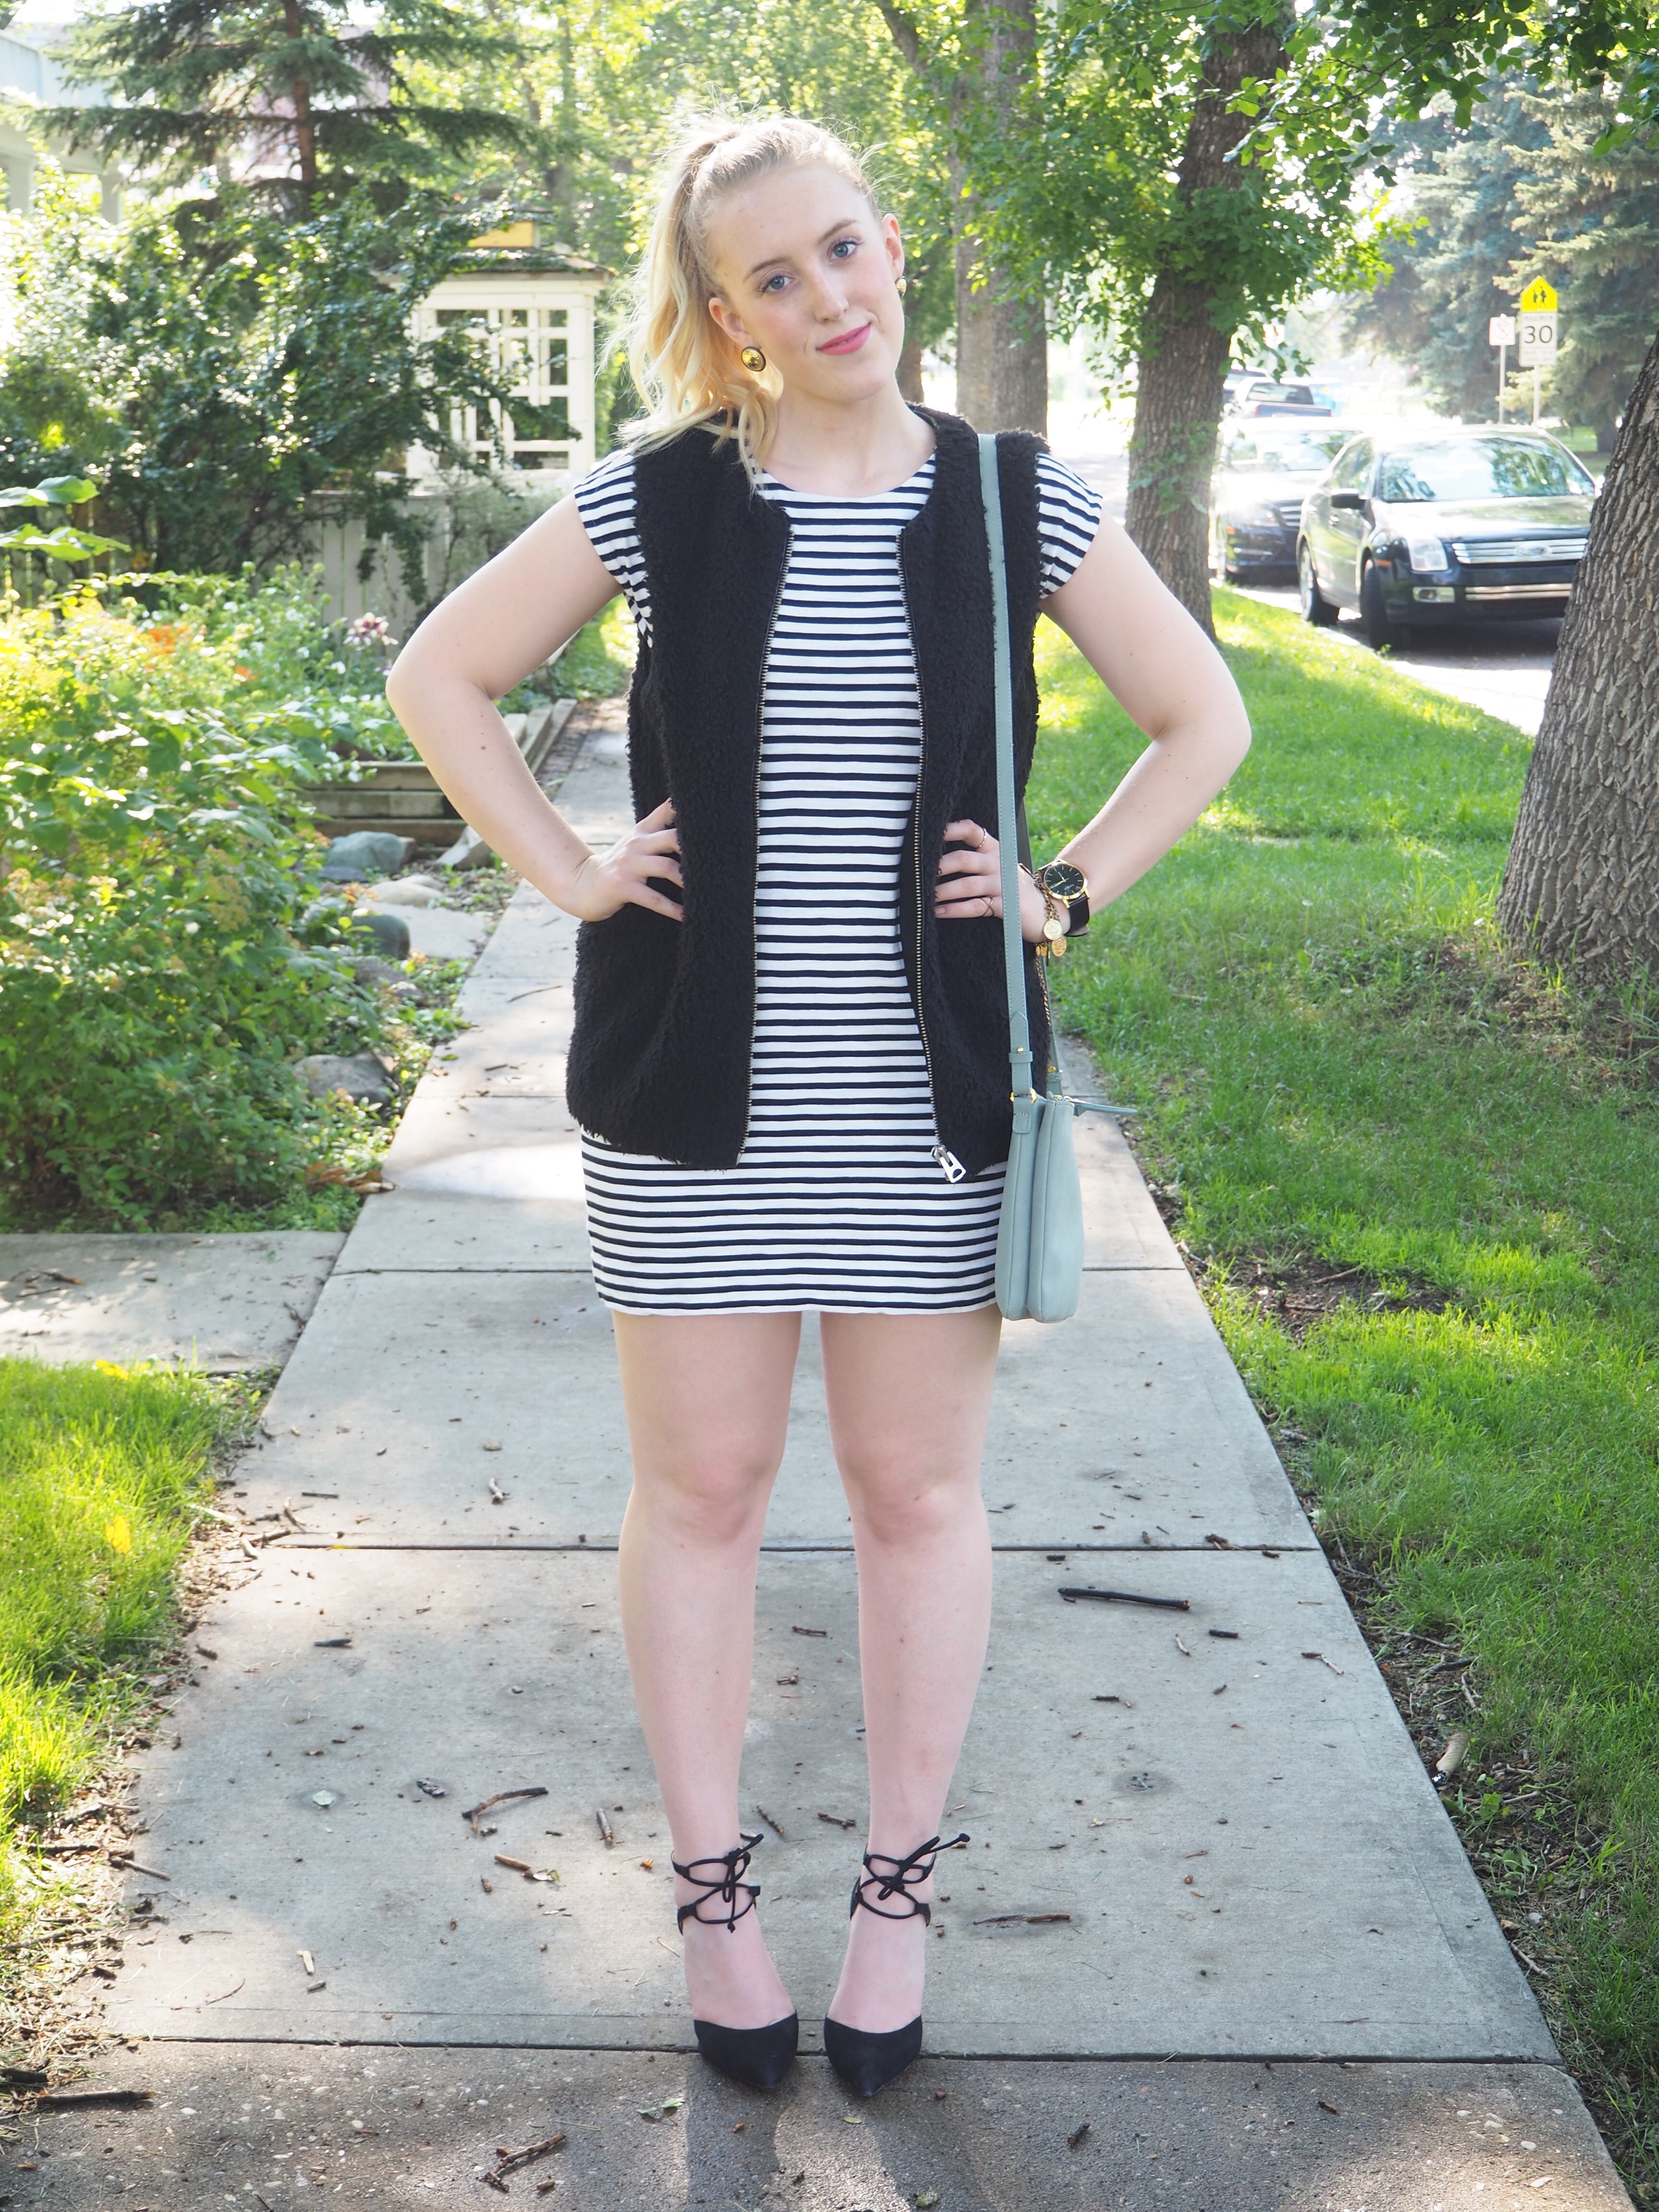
<point>359,1074</point>
<point>373,972</point>
<point>469,851</point>
<point>388,933</point>
<point>407,890</point>
<point>364,853</point>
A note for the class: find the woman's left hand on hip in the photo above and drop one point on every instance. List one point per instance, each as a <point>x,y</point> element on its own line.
<point>969,883</point>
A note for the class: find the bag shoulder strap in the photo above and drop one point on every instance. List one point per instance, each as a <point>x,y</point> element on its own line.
<point>1008,839</point>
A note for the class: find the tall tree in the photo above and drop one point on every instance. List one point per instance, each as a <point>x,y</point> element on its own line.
<point>305,98</point>
<point>1134,176</point>
<point>1535,184</point>
<point>1588,220</point>
<point>1453,269</point>
<point>1582,885</point>
<point>976,61</point>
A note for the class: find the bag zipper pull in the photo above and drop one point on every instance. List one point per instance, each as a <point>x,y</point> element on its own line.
<point>954,1170</point>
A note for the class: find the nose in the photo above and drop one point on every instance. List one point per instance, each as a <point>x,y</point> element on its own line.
<point>829,296</point>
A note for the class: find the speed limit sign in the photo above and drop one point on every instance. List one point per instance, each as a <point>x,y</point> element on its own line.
<point>1539,324</point>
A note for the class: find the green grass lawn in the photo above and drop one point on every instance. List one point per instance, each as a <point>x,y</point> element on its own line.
<point>101,1473</point>
<point>1341,1069</point>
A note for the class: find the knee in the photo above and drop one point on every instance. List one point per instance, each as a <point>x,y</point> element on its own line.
<point>714,1493</point>
<point>904,1504</point>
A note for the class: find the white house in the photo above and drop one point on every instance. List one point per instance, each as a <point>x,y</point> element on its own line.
<point>532,304</point>
<point>29,77</point>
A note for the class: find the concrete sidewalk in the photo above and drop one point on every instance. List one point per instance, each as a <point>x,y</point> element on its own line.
<point>1200,1838</point>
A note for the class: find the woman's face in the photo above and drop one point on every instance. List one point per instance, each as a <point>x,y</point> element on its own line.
<point>807,272</point>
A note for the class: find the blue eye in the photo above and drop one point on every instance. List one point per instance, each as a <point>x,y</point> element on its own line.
<point>773,283</point>
<point>844,246</point>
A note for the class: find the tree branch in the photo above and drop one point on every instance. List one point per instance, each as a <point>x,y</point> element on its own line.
<point>906,37</point>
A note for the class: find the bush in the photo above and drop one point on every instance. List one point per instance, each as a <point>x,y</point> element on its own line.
<point>158,972</point>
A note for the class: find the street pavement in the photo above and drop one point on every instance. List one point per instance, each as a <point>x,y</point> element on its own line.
<point>1503,668</point>
<point>404,1903</point>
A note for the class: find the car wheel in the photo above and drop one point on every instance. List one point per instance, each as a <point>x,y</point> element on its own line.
<point>1374,614</point>
<point>1315,607</point>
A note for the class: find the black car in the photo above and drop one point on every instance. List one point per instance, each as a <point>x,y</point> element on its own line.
<point>1255,499</point>
<point>1448,527</point>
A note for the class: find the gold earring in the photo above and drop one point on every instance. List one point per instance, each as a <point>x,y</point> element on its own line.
<point>753,358</point>
<point>903,286</point>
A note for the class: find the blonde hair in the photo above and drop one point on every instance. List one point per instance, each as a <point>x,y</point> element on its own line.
<point>684,364</point>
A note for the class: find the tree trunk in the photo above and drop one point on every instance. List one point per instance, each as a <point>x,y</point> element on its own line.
<point>305,130</point>
<point>909,374</point>
<point>1183,381</point>
<point>1184,357</point>
<point>1582,886</point>
<point>1002,339</point>
<point>1002,350</point>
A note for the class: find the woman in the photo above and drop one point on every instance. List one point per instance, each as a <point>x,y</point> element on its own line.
<point>789,1060</point>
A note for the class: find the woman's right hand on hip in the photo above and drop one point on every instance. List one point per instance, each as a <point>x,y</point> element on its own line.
<point>607,881</point>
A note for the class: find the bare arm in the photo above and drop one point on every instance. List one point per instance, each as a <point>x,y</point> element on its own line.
<point>471,650</point>
<point>1166,673</point>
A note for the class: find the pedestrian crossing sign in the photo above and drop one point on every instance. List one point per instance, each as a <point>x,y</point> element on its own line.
<point>1538,298</point>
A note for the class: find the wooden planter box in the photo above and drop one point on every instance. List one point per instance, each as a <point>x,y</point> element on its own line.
<point>403,796</point>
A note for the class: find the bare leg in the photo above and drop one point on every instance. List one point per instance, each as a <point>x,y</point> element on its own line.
<point>909,1396</point>
<point>707,1399</point>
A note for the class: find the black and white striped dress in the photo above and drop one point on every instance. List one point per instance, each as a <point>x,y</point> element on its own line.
<point>837,1202</point>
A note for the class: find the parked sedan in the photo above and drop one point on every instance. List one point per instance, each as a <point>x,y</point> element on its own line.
<point>1267,470</point>
<point>1448,527</point>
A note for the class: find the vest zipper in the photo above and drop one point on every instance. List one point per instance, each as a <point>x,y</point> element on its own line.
<point>950,1164</point>
<point>754,919</point>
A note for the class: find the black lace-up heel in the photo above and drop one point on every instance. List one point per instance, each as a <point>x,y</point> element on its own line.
<point>759,2056</point>
<point>865,2060</point>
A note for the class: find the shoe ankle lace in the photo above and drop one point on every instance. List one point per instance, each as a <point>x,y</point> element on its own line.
<point>907,1876</point>
<point>730,1886</point>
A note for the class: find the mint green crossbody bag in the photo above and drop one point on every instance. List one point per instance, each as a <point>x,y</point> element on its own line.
<point>1040,1235</point>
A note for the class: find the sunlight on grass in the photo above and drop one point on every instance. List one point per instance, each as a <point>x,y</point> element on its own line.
<point>100,1472</point>
<point>1339,1063</point>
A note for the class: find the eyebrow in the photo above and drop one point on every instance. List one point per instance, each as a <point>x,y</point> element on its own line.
<point>778,258</point>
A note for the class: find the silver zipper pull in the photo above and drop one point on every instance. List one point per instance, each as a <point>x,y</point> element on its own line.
<point>954,1170</point>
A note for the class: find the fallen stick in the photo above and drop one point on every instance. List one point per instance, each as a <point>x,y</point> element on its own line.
<point>128,1864</point>
<point>69,2100</point>
<point>1130,1597</point>
<point>501,1797</point>
<point>508,2161</point>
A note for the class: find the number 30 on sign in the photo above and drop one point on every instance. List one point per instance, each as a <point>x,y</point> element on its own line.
<point>1540,325</point>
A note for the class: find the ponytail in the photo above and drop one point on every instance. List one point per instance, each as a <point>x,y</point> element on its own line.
<point>686,367</point>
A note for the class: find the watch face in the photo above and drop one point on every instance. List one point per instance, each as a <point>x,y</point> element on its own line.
<point>1064,880</point>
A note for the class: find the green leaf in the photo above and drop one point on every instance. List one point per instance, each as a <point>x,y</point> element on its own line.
<point>67,491</point>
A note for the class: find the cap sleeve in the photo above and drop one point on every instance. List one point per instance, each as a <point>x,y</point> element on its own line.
<point>605,502</point>
<point>1068,516</point>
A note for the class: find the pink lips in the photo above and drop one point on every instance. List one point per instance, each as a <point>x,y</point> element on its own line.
<point>850,343</point>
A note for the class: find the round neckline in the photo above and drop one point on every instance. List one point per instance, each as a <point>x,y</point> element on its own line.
<point>847,499</point>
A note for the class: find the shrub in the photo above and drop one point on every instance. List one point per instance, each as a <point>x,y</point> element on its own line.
<point>158,973</point>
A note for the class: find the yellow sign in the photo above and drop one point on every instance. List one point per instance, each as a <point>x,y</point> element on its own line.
<point>1538,298</point>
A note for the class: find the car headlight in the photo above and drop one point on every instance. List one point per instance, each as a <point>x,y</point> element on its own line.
<point>1250,518</point>
<point>1427,556</point>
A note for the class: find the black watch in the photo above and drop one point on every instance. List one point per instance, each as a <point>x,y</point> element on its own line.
<point>1070,886</point>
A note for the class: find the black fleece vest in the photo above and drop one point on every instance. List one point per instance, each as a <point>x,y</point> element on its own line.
<point>665,1011</point>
